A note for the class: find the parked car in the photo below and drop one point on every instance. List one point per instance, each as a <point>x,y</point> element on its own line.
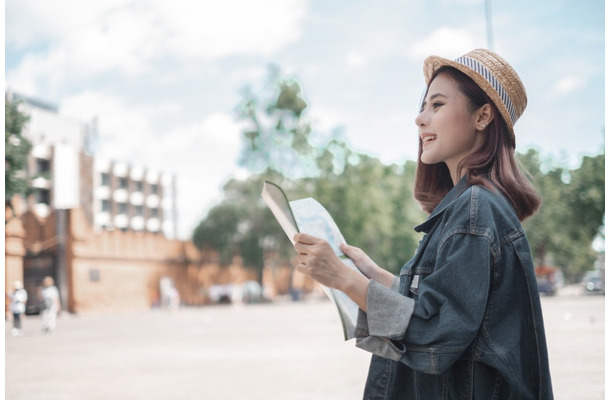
<point>593,282</point>
<point>547,277</point>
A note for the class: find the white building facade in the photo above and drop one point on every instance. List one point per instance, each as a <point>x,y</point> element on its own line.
<point>65,173</point>
<point>129,197</point>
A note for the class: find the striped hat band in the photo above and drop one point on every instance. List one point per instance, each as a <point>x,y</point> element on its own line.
<point>489,77</point>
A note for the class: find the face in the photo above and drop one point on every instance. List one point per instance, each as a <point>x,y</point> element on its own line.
<point>447,126</point>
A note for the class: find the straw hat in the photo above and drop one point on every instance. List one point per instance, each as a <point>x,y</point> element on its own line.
<point>494,75</point>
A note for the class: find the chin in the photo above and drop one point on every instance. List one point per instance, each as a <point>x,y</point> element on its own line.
<point>428,160</point>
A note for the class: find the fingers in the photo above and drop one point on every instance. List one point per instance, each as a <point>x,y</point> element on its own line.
<point>304,243</point>
<point>346,248</point>
<point>351,251</point>
<point>305,238</point>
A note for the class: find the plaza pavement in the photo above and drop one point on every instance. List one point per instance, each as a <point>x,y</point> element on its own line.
<point>281,350</point>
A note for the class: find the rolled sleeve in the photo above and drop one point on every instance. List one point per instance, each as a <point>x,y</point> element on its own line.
<point>387,317</point>
<point>388,311</point>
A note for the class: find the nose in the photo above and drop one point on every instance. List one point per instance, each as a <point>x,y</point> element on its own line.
<point>420,119</point>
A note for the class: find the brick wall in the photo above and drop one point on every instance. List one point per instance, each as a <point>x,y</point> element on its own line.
<point>14,251</point>
<point>116,271</point>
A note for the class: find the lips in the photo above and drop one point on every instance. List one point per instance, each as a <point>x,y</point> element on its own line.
<point>427,138</point>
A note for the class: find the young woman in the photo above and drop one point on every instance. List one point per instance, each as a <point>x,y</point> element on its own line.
<point>463,320</point>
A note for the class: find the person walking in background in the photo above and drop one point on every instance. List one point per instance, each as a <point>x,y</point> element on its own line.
<point>19,298</point>
<point>463,320</point>
<point>50,303</point>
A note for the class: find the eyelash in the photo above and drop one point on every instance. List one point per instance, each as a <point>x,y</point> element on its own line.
<point>434,105</point>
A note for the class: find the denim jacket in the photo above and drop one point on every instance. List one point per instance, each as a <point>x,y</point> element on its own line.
<point>463,320</point>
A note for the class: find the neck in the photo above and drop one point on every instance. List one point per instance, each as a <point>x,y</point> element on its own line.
<point>455,174</point>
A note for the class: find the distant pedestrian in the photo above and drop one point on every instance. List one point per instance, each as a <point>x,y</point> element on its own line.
<point>50,303</point>
<point>174,299</point>
<point>18,299</point>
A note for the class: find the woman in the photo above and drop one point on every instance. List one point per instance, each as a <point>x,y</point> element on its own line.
<point>51,304</point>
<point>463,320</point>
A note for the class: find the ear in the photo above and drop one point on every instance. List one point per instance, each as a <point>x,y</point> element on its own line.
<point>483,117</point>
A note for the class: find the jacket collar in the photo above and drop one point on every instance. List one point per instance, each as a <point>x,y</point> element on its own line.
<point>453,194</point>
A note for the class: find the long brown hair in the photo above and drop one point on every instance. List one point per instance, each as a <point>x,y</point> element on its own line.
<point>493,165</point>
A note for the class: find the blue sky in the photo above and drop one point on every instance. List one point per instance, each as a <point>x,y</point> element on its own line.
<point>168,74</point>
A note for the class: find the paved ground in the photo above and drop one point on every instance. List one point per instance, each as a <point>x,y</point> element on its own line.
<point>274,351</point>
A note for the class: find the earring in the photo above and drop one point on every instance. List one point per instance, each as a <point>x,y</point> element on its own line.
<point>483,126</point>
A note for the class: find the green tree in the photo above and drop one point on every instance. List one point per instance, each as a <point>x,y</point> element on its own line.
<point>276,135</point>
<point>241,225</point>
<point>572,212</point>
<point>16,149</point>
<point>585,200</point>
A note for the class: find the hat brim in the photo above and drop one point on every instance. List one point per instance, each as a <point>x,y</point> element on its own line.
<point>434,63</point>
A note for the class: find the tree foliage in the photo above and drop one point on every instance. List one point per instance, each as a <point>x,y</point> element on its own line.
<point>571,215</point>
<point>16,148</point>
<point>241,225</point>
<point>276,136</point>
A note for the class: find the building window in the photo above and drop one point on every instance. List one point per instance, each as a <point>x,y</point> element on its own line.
<point>105,179</point>
<point>123,208</point>
<point>106,205</point>
<point>138,186</point>
<point>123,183</point>
<point>94,275</point>
<point>42,166</point>
<point>43,196</point>
<point>154,188</point>
<point>154,212</point>
<point>139,210</point>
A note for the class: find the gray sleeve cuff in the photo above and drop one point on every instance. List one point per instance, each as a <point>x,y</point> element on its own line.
<point>388,315</point>
<point>388,311</point>
<point>387,318</point>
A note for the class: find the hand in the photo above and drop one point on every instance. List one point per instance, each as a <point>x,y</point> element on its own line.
<point>317,260</point>
<point>364,263</point>
<point>367,266</point>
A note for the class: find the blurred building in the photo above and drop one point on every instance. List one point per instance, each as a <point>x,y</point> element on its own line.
<point>105,230</point>
<point>67,178</point>
<point>65,173</point>
<point>59,164</point>
<point>131,198</point>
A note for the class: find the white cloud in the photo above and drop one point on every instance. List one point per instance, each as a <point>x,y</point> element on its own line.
<point>445,42</point>
<point>217,29</point>
<point>325,118</point>
<point>355,60</point>
<point>83,39</point>
<point>32,21</point>
<point>460,2</point>
<point>204,156</point>
<point>567,84</point>
<point>123,128</point>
